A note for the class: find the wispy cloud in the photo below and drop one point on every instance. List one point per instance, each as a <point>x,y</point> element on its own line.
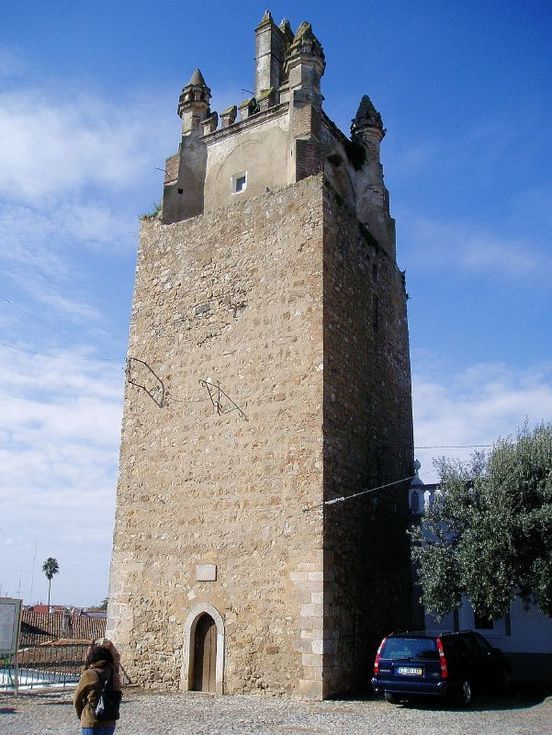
<point>44,239</point>
<point>491,214</point>
<point>70,181</point>
<point>476,406</point>
<point>59,437</point>
<point>74,141</point>
<point>477,154</point>
<point>72,168</point>
<point>432,244</point>
<point>72,309</point>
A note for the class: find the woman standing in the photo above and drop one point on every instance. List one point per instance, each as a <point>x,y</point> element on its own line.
<point>101,666</point>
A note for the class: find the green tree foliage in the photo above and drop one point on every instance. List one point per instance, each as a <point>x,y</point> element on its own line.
<point>50,567</point>
<point>488,534</point>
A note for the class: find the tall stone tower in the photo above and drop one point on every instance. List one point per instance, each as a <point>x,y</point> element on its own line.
<point>268,376</point>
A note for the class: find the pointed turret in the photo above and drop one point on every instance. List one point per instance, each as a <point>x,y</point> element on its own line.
<point>285,27</point>
<point>197,79</point>
<point>367,121</point>
<point>193,104</point>
<point>270,47</point>
<point>305,62</point>
<point>267,18</point>
<point>367,132</point>
<point>305,42</point>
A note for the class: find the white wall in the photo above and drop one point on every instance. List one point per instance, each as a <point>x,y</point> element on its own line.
<point>530,630</point>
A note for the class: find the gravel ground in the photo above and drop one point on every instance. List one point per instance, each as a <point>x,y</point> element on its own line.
<point>146,713</point>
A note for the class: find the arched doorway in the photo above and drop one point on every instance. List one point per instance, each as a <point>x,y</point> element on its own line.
<point>203,651</point>
<point>205,655</point>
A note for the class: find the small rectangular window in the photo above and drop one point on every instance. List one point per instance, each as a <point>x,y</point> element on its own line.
<point>239,182</point>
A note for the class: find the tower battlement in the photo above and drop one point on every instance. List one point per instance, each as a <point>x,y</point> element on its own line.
<point>278,137</point>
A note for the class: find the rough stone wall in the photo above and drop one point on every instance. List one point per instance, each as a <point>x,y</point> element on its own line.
<point>367,442</point>
<point>231,297</point>
<point>288,304</point>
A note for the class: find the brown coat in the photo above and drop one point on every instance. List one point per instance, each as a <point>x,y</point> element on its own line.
<point>88,691</point>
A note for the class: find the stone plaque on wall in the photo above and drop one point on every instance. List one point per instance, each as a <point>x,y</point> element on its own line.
<point>206,573</point>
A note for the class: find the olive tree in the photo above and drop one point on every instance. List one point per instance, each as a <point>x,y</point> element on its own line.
<point>488,533</point>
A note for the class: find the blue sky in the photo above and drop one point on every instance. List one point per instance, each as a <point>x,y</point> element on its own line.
<point>88,94</point>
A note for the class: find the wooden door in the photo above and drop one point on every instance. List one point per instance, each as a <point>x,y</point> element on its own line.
<point>205,655</point>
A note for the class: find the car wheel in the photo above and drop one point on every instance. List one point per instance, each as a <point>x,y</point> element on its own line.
<point>391,698</point>
<point>465,693</point>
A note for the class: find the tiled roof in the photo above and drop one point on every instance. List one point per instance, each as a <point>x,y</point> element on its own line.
<point>38,626</point>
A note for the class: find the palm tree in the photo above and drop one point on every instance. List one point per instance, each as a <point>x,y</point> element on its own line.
<point>50,567</point>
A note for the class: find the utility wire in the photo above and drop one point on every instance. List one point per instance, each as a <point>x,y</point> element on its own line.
<point>357,495</point>
<point>60,357</point>
<point>52,329</point>
<point>456,446</point>
<point>33,316</point>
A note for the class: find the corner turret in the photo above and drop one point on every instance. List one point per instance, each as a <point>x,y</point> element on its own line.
<point>270,45</point>
<point>183,192</point>
<point>367,124</point>
<point>193,104</point>
<point>372,196</point>
<point>305,63</point>
<point>285,27</point>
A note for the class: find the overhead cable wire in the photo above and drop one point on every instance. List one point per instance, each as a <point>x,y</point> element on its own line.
<point>55,331</point>
<point>455,446</point>
<point>61,357</point>
<point>33,316</point>
<point>357,495</point>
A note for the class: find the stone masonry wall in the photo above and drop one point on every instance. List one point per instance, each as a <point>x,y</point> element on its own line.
<point>368,442</point>
<point>232,297</point>
<point>268,370</point>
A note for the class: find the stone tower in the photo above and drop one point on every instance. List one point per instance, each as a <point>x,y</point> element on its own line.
<point>267,376</point>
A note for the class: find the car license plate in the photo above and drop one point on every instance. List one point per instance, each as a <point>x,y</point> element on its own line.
<point>409,671</point>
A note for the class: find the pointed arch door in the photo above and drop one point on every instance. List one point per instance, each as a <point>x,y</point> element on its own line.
<point>205,655</point>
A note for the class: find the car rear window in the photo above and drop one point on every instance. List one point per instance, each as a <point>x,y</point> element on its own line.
<point>410,648</point>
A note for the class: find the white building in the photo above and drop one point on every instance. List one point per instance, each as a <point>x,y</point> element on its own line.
<point>524,634</point>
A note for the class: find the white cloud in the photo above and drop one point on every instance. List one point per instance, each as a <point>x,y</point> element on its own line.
<point>42,254</point>
<point>72,224</point>
<point>534,204</point>
<point>72,167</point>
<point>59,437</point>
<point>71,309</point>
<point>51,145</point>
<point>26,237</point>
<point>433,245</point>
<point>476,406</point>
<point>72,170</point>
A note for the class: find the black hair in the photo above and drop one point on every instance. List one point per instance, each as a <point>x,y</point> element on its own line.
<point>98,653</point>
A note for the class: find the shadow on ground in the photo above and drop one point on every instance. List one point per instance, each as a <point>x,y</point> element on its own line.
<point>505,702</point>
<point>522,695</point>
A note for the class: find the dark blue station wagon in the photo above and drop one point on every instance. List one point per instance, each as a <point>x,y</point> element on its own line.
<point>453,665</point>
